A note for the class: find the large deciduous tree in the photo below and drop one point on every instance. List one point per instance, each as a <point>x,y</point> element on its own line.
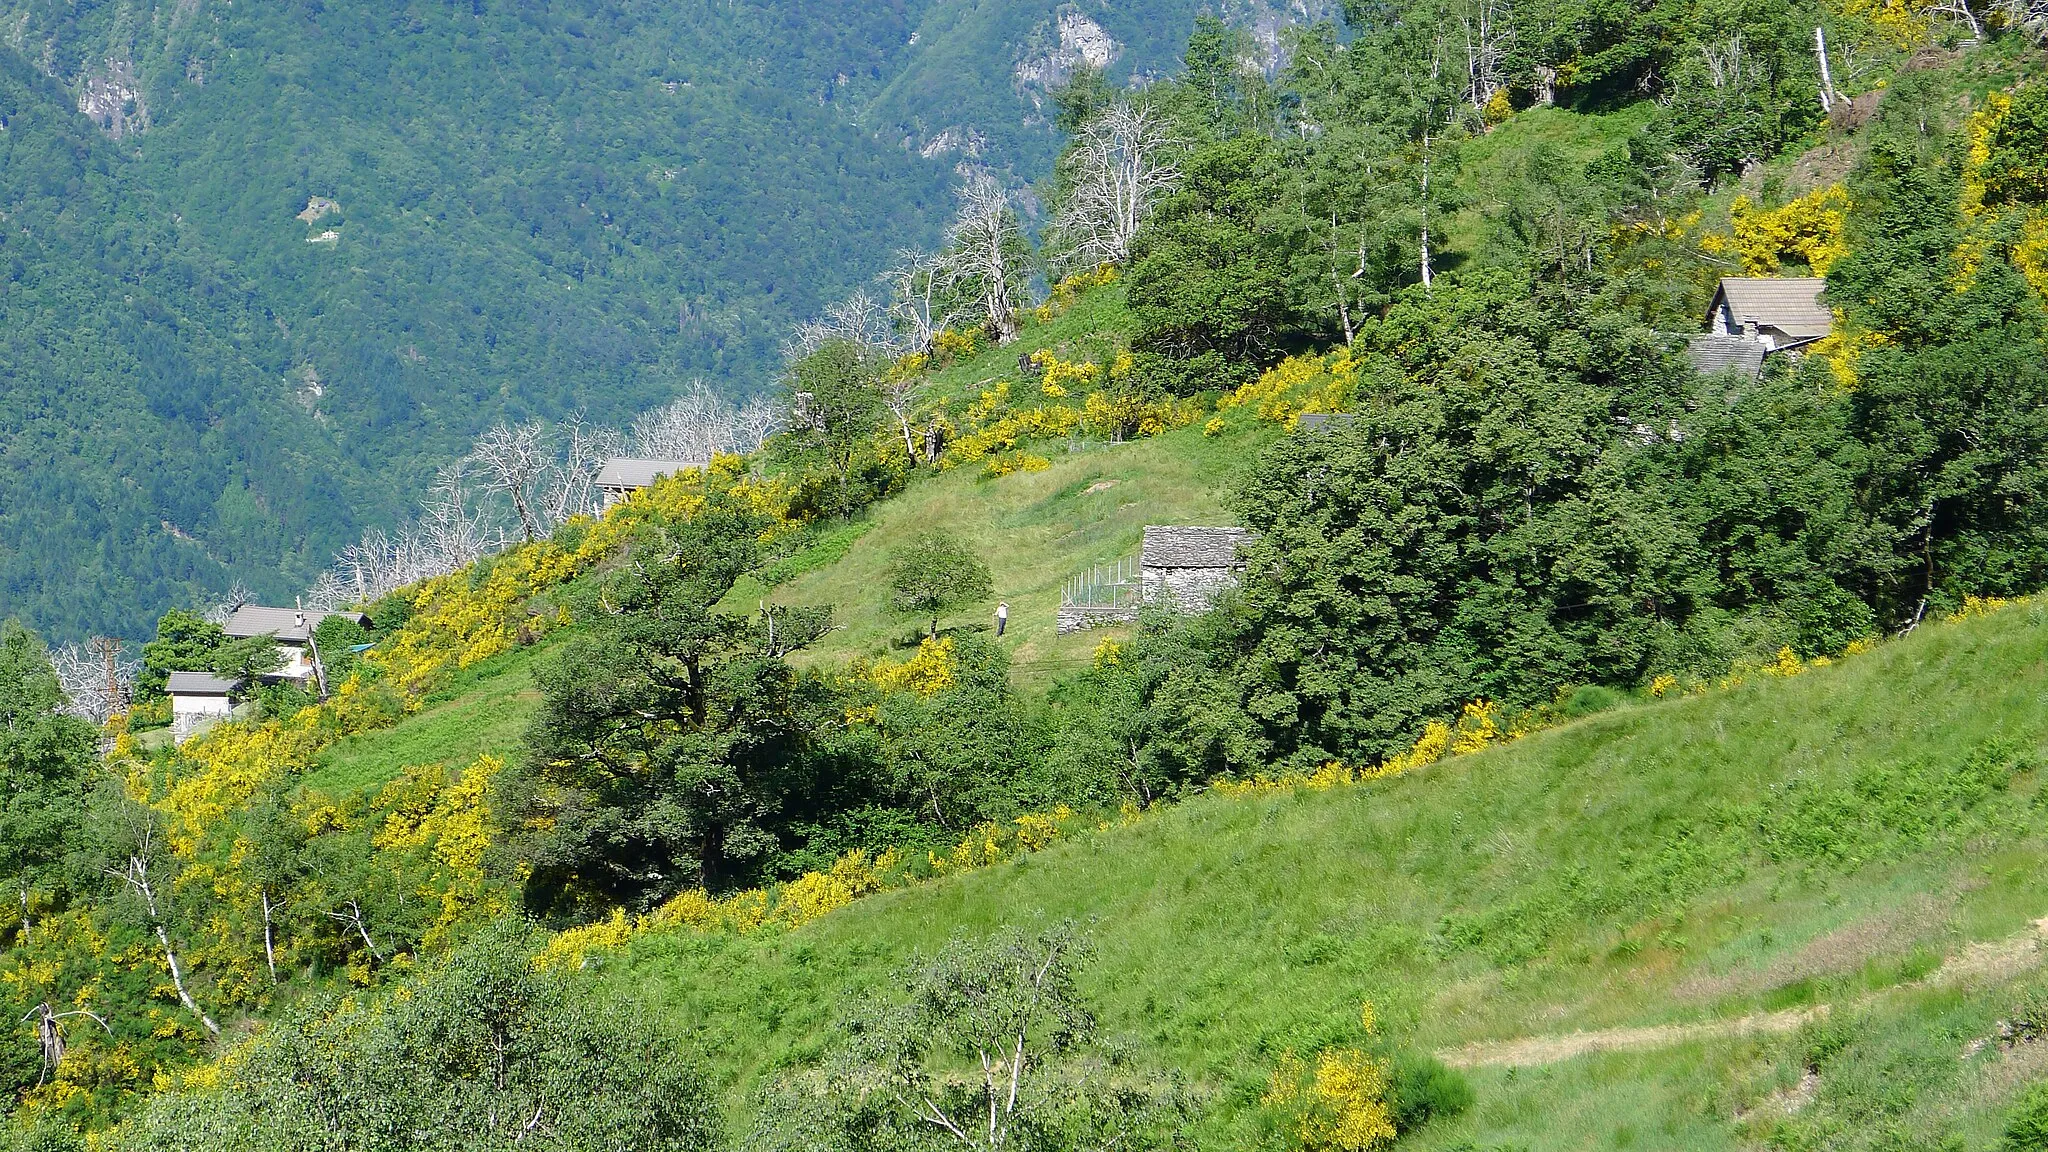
<point>670,734</point>
<point>46,757</point>
<point>484,1050</point>
<point>936,573</point>
<point>1120,166</point>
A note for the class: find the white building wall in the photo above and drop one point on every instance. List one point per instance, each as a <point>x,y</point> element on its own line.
<point>191,715</point>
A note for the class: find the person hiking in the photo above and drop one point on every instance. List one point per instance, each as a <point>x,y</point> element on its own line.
<point>1002,616</point>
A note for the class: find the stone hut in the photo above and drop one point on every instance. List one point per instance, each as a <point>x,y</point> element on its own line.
<point>1189,566</point>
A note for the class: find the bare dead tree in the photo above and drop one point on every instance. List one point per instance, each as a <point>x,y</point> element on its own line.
<point>903,394</point>
<point>1123,163</point>
<point>1726,66</point>
<point>2027,17</point>
<point>1960,12</point>
<point>50,1034</point>
<point>984,251</point>
<point>570,488</point>
<point>699,424</point>
<point>922,302</point>
<point>1427,259</point>
<point>352,915</point>
<point>270,908</point>
<point>1828,93</point>
<point>1488,36</point>
<point>754,422</point>
<point>136,875</point>
<point>513,461</point>
<point>96,678</point>
<point>238,595</point>
<point>453,529</point>
<point>860,318</point>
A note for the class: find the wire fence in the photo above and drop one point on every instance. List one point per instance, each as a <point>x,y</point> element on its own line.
<point>1110,586</point>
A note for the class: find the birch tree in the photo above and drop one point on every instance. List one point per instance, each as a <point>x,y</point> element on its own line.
<point>137,862</point>
<point>1489,34</point>
<point>986,252</point>
<point>1122,163</point>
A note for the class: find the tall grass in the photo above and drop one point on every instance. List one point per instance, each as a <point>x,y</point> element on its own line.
<point>1673,861</point>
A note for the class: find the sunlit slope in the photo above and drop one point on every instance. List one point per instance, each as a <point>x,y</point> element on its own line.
<point>1825,839</point>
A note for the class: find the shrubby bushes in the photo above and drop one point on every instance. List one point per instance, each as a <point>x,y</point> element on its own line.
<point>481,1050</point>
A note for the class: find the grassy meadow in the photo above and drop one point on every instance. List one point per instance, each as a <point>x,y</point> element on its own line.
<point>1820,843</point>
<point>484,709</point>
<point>1034,529</point>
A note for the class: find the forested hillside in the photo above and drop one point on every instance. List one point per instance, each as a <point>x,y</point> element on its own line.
<point>267,267</point>
<point>1567,692</point>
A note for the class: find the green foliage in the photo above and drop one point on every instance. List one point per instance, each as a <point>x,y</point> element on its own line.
<point>248,660</point>
<point>336,639</point>
<point>836,392</point>
<point>935,574</point>
<point>1230,930</point>
<point>1443,547</point>
<point>1208,283</point>
<point>185,642</point>
<point>671,737</point>
<point>963,754</point>
<point>2014,171</point>
<point>2026,1124</point>
<point>1007,1007</point>
<point>46,764</point>
<point>479,1051</point>
<point>1424,1089</point>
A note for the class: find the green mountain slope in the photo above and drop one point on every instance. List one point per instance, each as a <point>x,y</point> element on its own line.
<point>383,230</point>
<point>1826,840</point>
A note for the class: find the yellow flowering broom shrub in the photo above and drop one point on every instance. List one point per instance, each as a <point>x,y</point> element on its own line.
<point>1808,228</point>
<point>1339,1104</point>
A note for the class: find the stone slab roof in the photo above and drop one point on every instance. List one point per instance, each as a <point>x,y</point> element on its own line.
<point>1168,546</point>
<point>198,684</point>
<point>1790,304</point>
<point>634,472</point>
<point>288,624</point>
<point>1710,354</point>
<point>1318,421</point>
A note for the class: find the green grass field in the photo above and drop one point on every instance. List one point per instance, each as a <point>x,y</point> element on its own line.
<point>482,709</point>
<point>1035,530</point>
<point>1822,840</point>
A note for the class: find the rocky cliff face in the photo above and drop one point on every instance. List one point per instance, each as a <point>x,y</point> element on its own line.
<point>1077,41</point>
<point>119,60</point>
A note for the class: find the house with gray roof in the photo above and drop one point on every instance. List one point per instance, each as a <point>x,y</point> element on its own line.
<point>622,476</point>
<point>1780,312</point>
<point>1755,317</point>
<point>1189,566</point>
<point>1710,353</point>
<point>199,700</point>
<point>293,630</point>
